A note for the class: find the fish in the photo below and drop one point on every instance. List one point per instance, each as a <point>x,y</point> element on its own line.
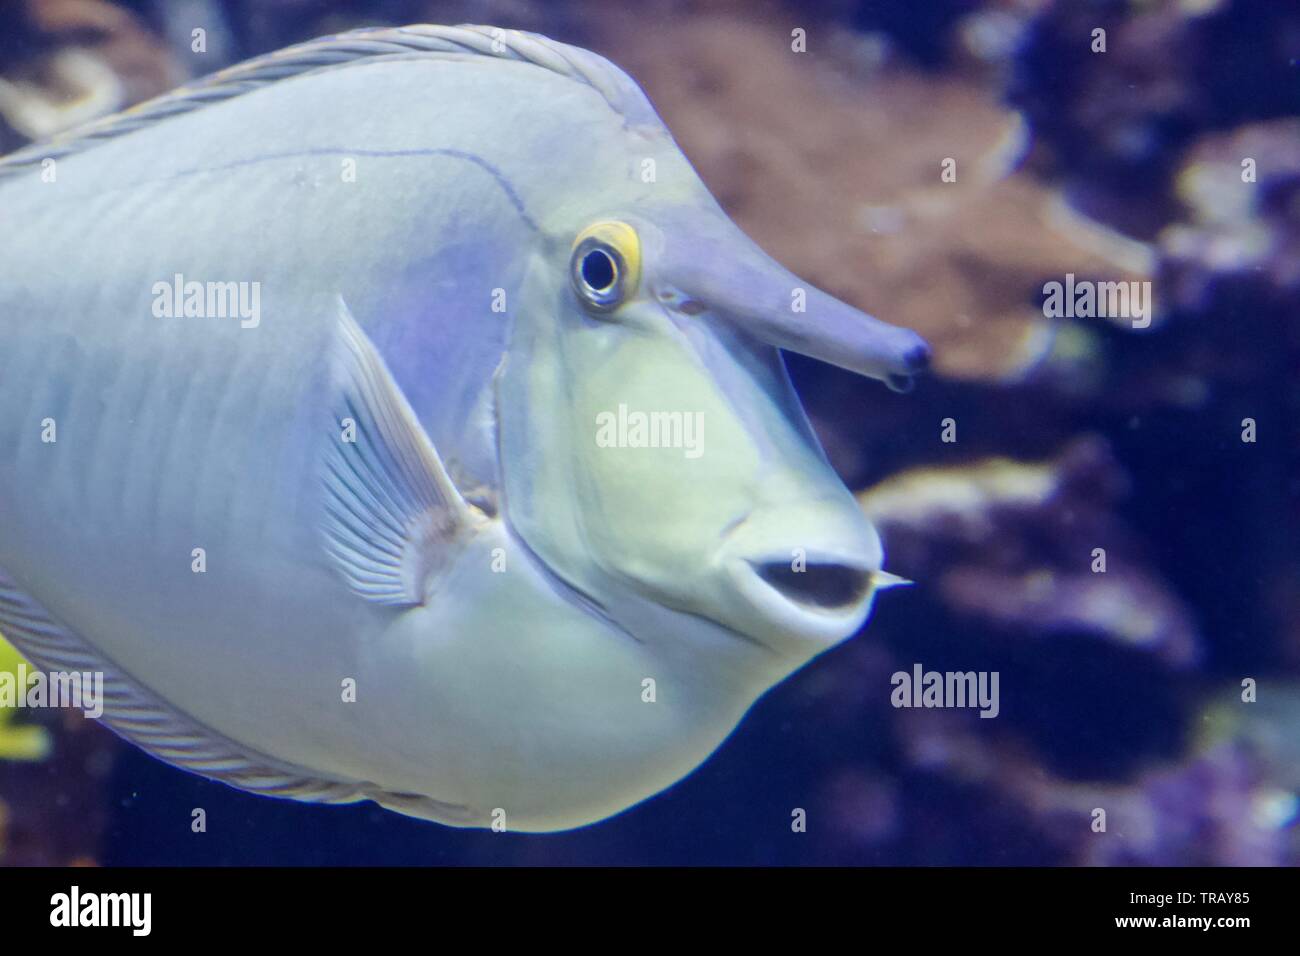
<point>26,742</point>
<point>398,417</point>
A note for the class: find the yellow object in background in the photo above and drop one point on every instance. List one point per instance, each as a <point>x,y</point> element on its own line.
<point>18,741</point>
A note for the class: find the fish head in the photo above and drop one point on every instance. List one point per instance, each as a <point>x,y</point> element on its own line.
<point>651,444</point>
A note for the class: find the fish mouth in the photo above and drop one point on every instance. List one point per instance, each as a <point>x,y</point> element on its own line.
<point>825,587</point>
<point>823,600</point>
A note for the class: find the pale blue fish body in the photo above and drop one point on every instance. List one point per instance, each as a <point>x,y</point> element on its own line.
<point>384,206</point>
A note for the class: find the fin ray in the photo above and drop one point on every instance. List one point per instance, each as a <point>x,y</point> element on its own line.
<point>393,517</point>
<point>342,50</point>
<point>145,719</point>
<point>135,713</point>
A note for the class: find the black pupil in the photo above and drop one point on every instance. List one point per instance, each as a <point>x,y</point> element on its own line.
<point>598,270</point>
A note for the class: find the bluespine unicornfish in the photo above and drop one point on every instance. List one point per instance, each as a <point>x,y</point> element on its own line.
<point>307,376</point>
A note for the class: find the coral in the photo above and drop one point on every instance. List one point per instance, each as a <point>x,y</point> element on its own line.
<point>1242,239</point>
<point>1016,544</point>
<point>65,62</point>
<point>1116,122</point>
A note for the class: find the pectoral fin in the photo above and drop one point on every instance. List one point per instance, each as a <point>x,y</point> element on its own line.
<point>394,519</point>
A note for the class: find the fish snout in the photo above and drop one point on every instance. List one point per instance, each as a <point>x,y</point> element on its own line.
<point>802,578</point>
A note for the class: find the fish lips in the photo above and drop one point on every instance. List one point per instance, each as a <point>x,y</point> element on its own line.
<point>799,607</point>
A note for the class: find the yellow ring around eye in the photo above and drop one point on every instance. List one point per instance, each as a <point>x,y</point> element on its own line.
<point>622,239</point>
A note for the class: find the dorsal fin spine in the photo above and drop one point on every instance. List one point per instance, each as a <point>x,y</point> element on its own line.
<point>344,49</point>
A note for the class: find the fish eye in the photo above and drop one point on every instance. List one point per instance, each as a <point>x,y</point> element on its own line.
<point>605,265</point>
<point>599,271</point>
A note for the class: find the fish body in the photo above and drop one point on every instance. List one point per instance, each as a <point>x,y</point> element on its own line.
<point>299,377</point>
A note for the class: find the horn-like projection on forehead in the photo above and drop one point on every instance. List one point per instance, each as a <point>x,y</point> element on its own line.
<point>726,271</point>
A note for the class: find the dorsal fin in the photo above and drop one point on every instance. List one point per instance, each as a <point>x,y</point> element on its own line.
<point>346,49</point>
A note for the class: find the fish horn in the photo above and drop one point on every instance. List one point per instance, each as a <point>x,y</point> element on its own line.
<point>731,275</point>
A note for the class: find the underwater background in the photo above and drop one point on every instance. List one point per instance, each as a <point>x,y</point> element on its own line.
<point>1174,448</point>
